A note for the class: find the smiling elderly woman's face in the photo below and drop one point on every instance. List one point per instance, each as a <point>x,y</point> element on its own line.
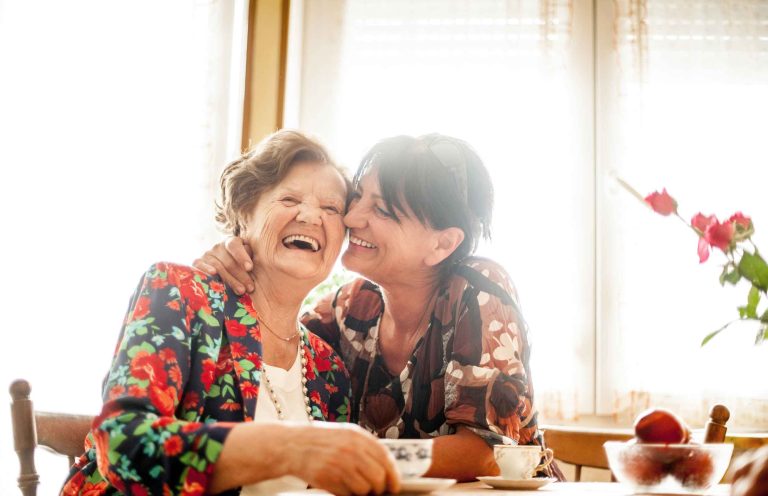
<point>297,226</point>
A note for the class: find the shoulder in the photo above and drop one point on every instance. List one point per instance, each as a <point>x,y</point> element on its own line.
<point>184,276</point>
<point>360,299</point>
<point>482,275</point>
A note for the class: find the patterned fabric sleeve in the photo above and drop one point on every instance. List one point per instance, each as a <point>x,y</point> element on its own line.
<point>169,341</point>
<point>487,380</point>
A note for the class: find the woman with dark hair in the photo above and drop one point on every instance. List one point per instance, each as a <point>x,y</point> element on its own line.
<point>203,380</point>
<point>433,337</point>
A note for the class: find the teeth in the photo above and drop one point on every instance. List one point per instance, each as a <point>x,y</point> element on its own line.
<point>315,244</point>
<point>360,242</point>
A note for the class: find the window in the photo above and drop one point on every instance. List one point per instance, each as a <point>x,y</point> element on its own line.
<point>115,120</point>
<point>560,98</point>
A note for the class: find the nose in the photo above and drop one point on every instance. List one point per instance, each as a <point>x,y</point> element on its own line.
<point>309,214</point>
<point>355,217</point>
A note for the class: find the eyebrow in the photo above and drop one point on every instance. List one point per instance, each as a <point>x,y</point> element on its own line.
<point>337,199</point>
<point>374,195</point>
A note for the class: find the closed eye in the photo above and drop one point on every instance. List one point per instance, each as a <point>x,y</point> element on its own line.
<point>289,201</point>
<point>382,212</point>
<point>332,209</point>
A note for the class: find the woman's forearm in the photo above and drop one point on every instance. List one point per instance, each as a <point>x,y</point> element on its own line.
<point>249,456</point>
<point>463,456</point>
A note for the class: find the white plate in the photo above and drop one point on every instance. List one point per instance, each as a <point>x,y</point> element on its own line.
<point>425,484</point>
<point>502,483</point>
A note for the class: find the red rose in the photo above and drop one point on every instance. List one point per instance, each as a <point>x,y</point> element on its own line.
<point>662,203</point>
<point>217,286</point>
<point>73,485</point>
<point>162,422</point>
<point>146,366</point>
<point>191,400</point>
<point>163,398</point>
<point>173,445</point>
<point>235,328</point>
<point>142,308</point>
<point>139,490</point>
<point>719,235</point>
<point>209,374</point>
<point>159,283</point>
<point>238,350</point>
<point>116,391</point>
<point>168,355</point>
<point>136,391</point>
<point>91,489</point>
<point>194,484</point>
<point>249,389</point>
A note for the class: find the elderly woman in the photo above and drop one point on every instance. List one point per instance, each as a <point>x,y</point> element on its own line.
<point>201,378</point>
<point>433,337</point>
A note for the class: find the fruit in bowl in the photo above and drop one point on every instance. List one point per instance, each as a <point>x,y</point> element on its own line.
<point>661,458</point>
<point>668,468</point>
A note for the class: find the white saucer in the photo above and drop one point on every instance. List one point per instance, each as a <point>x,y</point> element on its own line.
<point>425,484</point>
<point>502,483</point>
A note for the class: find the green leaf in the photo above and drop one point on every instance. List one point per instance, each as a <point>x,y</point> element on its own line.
<point>248,320</point>
<point>762,334</point>
<point>709,336</point>
<point>246,364</point>
<point>731,277</point>
<point>212,450</point>
<point>240,312</point>
<point>764,317</point>
<point>145,346</point>
<point>754,268</point>
<point>753,298</point>
<point>208,319</point>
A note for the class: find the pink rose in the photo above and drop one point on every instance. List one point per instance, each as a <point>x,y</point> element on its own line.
<point>741,220</point>
<point>719,235</point>
<point>662,203</point>
<point>701,221</point>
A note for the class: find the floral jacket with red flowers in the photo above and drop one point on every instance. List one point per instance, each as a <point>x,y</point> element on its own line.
<point>186,368</point>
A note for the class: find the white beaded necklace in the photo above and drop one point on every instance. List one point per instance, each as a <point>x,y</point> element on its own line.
<point>305,392</point>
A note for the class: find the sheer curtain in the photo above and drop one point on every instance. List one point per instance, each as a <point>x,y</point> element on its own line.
<point>503,76</point>
<point>115,120</point>
<point>685,110</point>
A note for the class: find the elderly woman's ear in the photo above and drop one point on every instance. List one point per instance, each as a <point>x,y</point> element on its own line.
<point>233,261</point>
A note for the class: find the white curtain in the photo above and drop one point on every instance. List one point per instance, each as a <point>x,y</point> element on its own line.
<point>560,98</point>
<point>503,76</point>
<point>114,120</point>
<point>686,111</point>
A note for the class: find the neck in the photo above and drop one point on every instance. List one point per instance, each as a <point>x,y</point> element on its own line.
<point>407,305</point>
<point>279,302</point>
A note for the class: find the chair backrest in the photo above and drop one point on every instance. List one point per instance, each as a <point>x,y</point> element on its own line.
<point>581,446</point>
<point>60,433</point>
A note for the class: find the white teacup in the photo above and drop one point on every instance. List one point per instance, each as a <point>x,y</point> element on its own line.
<point>521,462</point>
<point>412,456</point>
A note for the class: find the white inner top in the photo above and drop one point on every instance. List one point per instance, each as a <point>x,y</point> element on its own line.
<point>287,386</point>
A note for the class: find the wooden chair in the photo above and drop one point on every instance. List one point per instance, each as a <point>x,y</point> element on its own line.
<point>60,433</point>
<point>581,446</point>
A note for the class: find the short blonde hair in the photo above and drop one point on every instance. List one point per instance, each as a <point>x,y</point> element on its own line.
<point>260,169</point>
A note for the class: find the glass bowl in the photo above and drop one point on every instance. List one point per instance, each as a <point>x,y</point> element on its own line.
<point>668,468</point>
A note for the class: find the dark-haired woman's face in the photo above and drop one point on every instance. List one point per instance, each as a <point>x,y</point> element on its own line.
<point>380,248</point>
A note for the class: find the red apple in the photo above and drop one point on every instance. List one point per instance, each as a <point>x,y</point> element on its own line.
<point>694,470</point>
<point>640,468</point>
<point>657,425</point>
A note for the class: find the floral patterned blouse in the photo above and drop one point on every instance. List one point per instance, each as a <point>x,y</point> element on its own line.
<point>186,368</point>
<point>471,367</point>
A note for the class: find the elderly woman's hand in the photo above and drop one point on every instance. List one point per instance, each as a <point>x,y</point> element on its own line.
<point>342,459</point>
<point>232,260</point>
<point>750,477</point>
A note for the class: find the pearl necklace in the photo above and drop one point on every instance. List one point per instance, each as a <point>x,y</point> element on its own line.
<point>305,392</point>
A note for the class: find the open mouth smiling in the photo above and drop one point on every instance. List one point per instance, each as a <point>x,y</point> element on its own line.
<point>301,242</point>
<point>360,242</point>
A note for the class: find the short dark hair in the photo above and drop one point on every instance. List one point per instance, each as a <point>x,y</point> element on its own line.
<point>441,179</point>
<point>262,168</point>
